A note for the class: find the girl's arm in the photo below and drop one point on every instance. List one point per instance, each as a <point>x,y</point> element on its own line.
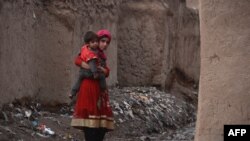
<point>80,63</point>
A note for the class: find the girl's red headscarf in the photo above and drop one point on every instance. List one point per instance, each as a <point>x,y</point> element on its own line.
<point>104,33</point>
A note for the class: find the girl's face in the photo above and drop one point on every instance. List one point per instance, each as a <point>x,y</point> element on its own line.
<point>103,43</point>
<point>93,44</point>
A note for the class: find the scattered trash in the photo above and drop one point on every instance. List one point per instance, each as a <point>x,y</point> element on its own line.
<point>34,15</point>
<point>47,131</point>
<point>35,123</point>
<point>5,116</point>
<point>144,138</point>
<point>7,129</point>
<point>19,115</point>
<point>67,136</point>
<point>42,135</point>
<point>28,113</point>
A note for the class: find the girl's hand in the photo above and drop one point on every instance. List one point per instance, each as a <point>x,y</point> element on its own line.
<point>101,68</point>
<point>104,70</point>
<point>85,65</point>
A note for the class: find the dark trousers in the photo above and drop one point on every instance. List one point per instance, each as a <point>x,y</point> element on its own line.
<point>84,73</point>
<point>94,134</point>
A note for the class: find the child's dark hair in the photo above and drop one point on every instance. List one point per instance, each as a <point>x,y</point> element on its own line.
<point>90,36</point>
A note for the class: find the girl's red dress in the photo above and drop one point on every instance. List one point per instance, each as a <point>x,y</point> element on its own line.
<point>92,107</point>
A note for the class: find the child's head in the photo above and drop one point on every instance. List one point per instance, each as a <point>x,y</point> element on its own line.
<point>104,38</point>
<point>91,39</point>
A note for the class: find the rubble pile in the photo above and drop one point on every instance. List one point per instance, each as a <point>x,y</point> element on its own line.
<point>143,111</point>
<point>185,133</point>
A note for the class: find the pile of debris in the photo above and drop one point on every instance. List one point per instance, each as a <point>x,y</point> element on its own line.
<point>141,111</point>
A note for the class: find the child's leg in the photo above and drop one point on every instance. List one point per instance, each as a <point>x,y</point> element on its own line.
<point>83,73</point>
<point>76,86</point>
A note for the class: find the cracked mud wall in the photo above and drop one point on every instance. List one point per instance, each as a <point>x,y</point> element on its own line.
<point>142,33</point>
<point>158,44</point>
<point>225,53</point>
<point>39,40</point>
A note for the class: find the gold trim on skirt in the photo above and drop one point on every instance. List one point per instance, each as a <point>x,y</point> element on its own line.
<point>93,123</point>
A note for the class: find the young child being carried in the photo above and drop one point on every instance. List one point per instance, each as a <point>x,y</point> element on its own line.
<point>95,58</point>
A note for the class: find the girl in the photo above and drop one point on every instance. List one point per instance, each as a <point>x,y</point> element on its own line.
<point>94,120</point>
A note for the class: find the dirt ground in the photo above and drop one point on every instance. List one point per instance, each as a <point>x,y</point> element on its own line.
<point>141,114</point>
